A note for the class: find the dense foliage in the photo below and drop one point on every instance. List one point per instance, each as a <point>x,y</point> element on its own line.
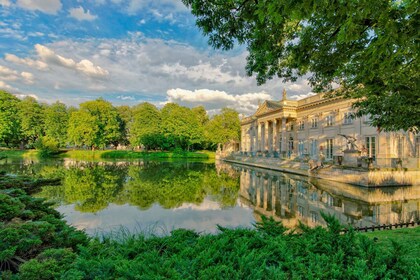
<point>98,124</point>
<point>370,48</point>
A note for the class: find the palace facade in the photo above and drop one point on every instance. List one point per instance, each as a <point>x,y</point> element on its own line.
<point>316,127</point>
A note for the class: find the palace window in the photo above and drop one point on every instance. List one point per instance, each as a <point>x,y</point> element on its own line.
<point>330,148</point>
<point>301,147</point>
<point>301,125</point>
<point>314,123</point>
<point>329,120</point>
<point>367,118</point>
<point>314,217</point>
<point>371,146</point>
<point>348,118</point>
<point>300,211</point>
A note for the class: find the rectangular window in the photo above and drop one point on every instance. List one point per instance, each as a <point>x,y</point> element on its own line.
<point>301,147</point>
<point>329,120</point>
<point>348,118</point>
<point>301,125</point>
<point>314,123</point>
<point>418,146</point>
<point>314,147</point>
<point>300,211</point>
<point>371,146</point>
<point>314,217</point>
<point>330,148</point>
<point>367,118</point>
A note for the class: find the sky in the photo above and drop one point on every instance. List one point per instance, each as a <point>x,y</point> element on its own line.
<point>126,51</point>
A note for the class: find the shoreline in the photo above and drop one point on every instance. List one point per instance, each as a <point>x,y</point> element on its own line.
<point>354,176</point>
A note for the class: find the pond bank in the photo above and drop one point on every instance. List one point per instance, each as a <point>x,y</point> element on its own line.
<point>349,175</point>
<point>111,154</point>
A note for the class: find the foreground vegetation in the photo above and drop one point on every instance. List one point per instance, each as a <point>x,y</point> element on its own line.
<point>36,244</point>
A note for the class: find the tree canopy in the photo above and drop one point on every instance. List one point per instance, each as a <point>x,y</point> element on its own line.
<point>10,126</point>
<point>369,48</point>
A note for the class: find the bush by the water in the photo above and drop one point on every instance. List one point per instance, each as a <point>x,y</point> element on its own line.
<point>47,147</point>
<point>35,243</point>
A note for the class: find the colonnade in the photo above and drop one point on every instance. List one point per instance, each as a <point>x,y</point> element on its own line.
<point>267,135</point>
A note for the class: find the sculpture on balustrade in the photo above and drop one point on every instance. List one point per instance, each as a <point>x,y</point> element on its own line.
<point>351,142</point>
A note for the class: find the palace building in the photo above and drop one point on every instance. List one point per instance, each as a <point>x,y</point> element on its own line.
<point>316,127</point>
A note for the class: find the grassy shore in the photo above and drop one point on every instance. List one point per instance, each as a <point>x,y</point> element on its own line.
<point>407,237</point>
<point>112,154</point>
<point>14,154</point>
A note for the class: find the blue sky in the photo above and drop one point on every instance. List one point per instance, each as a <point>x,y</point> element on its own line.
<point>126,51</point>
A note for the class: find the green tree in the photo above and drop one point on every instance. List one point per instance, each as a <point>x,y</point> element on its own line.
<point>96,124</point>
<point>370,48</point>
<point>56,120</point>
<point>10,128</point>
<point>126,115</point>
<point>223,127</point>
<point>31,115</point>
<point>145,127</point>
<point>181,126</point>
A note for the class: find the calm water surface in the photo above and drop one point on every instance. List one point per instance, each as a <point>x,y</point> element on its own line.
<point>157,197</point>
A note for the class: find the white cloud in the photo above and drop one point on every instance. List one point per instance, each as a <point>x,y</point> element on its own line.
<point>5,3</point>
<point>5,86</point>
<point>84,66</point>
<point>27,77</point>
<point>302,96</point>
<point>80,14</point>
<point>5,71</point>
<point>22,96</point>
<point>87,67</point>
<point>7,74</point>
<point>27,61</point>
<point>45,6</point>
<point>214,100</point>
<point>124,97</point>
<point>203,71</point>
<point>145,69</point>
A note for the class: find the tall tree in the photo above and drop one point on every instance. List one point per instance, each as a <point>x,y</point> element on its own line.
<point>10,128</point>
<point>180,125</point>
<point>126,115</point>
<point>96,124</point>
<point>223,127</point>
<point>370,48</point>
<point>145,127</point>
<point>56,120</point>
<point>31,115</point>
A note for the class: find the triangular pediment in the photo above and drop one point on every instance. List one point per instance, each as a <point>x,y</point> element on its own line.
<point>267,107</point>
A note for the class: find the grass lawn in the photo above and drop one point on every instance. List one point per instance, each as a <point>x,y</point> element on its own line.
<point>409,237</point>
<point>113,154</point>
<point>18,153</point>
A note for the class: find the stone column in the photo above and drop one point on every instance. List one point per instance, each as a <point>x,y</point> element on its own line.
<point>266,136</point>
<point>258,138</point>
<point>283,135</point>
<point>274,144</point>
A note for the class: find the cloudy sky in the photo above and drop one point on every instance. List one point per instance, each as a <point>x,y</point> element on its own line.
<point>126,51</point>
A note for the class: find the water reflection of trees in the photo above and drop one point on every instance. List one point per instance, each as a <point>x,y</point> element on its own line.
<point>93,186</point>
<point>292,198</point>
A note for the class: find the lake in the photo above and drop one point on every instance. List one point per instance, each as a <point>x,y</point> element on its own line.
<point>158,196</point>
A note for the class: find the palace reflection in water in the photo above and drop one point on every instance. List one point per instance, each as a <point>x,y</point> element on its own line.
<point>291,199</point>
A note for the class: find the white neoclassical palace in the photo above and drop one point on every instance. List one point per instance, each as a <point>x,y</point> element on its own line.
<point>316,126</point>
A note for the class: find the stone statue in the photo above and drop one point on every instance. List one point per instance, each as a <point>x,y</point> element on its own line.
<point>351,145</point>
